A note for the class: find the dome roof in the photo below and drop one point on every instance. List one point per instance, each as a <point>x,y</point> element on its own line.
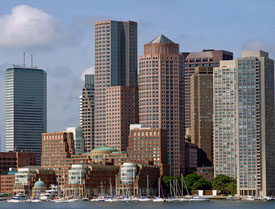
<point>105,149</point>
<point>39,183</point>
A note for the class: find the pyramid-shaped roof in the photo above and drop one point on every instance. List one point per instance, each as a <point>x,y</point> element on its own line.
<point>161,39</point>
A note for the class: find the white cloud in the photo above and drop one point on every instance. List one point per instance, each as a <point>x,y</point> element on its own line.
<point>89,70</point>
<point>28,27</point>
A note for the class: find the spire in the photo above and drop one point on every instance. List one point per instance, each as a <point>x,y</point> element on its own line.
<point>161,39</point>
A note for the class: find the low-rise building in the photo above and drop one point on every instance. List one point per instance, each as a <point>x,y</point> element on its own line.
<point>27,176</point>
<point>206,172</point>
<point>137,179</point>
<point>191,154</point>
<point>7,180</point>
<point>91,180</point>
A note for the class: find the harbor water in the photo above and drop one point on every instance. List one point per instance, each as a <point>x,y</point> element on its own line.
<point>216,204</point>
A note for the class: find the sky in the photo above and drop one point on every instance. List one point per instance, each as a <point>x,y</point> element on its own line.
<point>60,35</point>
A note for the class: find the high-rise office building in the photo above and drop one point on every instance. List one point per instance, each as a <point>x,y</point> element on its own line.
<point>244,143</point>
<point>208,57</point>
<point>26,109</point>
<point>121,111</point>
<point>160,95</point>
<point>115,65</point>
<point>87,112</point>
<point>79,145</point>
<point>201,102</point>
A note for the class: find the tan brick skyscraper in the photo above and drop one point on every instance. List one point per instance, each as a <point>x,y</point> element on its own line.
<point>115,65</point>
<point>160,95</point>
<point>201,114</point>
<point>121,111</point>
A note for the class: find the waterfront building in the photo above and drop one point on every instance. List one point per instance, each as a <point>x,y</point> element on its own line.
<point>26,177</point>
<point>121,111</point>
<point>57,148</point>
<point>87,112</point>
<point>79,144</point>
<point>201,102</point>
<point>161,96</point>
<point>7,180</point>
<point>26,109</point>
<point>207,57</point>
<point>148,145</point>
<point>137,179</point>
<point>244,122</point>
<point>38,188</point>
<point>91,180</point>
<point>16,160</point>
<point>115,65</point>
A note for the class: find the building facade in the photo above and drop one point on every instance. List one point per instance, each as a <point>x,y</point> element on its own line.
<point>115,65</point>
<point>79,144</point>
<point>26,109</point>
<point>161,96</point>
<point>87,112</point>
<point>148,145</point>
<point>205,58</point>
<point>121,111</point>
<point>16,160</point>
<point>244,123</point>
<point>201,101</point>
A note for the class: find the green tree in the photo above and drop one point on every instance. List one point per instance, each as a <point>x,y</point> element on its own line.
<point>202,184</point>
<point>232,187</point>
<point>224,184</point>
<point>191,179</point>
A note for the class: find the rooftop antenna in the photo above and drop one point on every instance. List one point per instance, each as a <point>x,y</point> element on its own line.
<point>31,61</point>
<point>24,59</point>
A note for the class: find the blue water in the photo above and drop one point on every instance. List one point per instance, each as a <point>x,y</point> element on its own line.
<point>143,205</point>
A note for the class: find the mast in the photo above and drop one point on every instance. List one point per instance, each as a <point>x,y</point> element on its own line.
<point>181,183</point>
<point>111,188</point>
<point>170,189</point>
<point>186,187</point>
<point>147,186</point>
<point>159,187</point>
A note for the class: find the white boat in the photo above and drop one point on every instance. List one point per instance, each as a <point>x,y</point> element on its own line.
<point>99,199</point>
<point>146,199</point>
<point>199,199</point>
<point>49,194</point>
<point>19,198</point>
<point>74,200</point>
<point>230,197</point>
<point>159,199</point>
<point>35,200</point>
<point>60,200</point>
<point>172,200</point>
<point>184,199</point>
<point>111,200</point>
<point>249,198</point>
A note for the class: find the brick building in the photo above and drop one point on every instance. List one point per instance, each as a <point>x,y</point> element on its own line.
<point>16,160</point>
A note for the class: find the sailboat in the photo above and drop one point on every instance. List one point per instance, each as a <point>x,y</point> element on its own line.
<point>146,199</point>
<point>159,199</point>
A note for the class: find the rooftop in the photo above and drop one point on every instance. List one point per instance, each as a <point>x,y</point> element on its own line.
<point>161,39</point>
<point>105,149</point>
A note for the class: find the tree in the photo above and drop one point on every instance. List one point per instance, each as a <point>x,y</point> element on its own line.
<point>232,187</point>
<point>191,179</point>
<point>224,184</point>
<point>202,184</point>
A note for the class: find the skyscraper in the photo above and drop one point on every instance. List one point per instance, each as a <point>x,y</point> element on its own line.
<point>26,109</point>
<point>207,57</point>
<point>201,113</point>
<point>244,143</point>
<point>160,95</point>
<point>87,112</point>
<point>121,111</point>
<point>115,65</point>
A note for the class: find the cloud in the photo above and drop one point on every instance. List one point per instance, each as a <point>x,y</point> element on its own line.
<point>260,44</point>
<point>89,70</point>
<point>28,27</point>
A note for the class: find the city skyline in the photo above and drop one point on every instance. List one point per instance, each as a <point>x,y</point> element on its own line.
<point>63,67</point>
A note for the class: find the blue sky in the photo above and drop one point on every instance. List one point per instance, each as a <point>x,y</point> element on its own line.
<point>61,37</point>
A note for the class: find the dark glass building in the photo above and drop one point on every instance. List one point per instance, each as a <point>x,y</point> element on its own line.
<point>26,109</point>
